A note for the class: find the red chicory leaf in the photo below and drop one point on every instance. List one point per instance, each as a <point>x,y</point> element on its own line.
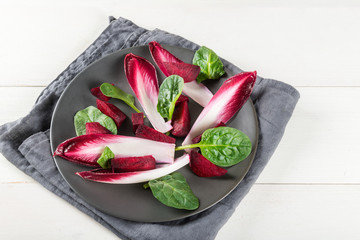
<point>197,91</point>
<point>86,149</point>
<point>187,71</point>
<point>141,75</point>
<point>227,101</point>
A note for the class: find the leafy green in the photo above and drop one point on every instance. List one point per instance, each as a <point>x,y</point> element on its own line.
<point>111,91</point>
<point>173,191</point>
<point>105,159</point>
<point>209,63</point>
<point>223,146</point>
<point>92,114</point>
<point>169,92</point>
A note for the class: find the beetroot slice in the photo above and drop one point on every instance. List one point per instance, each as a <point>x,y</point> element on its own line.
<point>187,71</point>
<point>181,120</point>
<point>198,138</point>
<point>203,167</point>
<point>147,132</point>
<point>181,99</point>
<point>97,93</point>
<point>130,164</point>
<point>137,119</point>
<point>112,111</point>
<point>95,127</point>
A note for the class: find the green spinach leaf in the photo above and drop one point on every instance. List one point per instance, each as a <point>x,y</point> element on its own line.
<point>111,91</point>
<point>173,191</point>
<point>169,92</point>
<point>223,146</point>
<point>209,63</point>
<point>92,114</point>
<point>105,159</point>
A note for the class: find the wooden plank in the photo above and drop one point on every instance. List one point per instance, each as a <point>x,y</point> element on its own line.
<point>321,144</point>
<point>268,212</point>
<point>29,211</point>
<point>297,213</point>
<point>300,43</point>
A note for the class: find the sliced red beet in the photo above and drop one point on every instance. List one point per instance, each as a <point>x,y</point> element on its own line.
<point>198,138</point>
<point>147,132</point>
<point>181,120</point>
<point>203,167</point>
<point>131,164</point>
<point>97,93</point>
<point>181,99</point>
<point>187,71</point>
<point>137,119</point>
<point>95,127</point>
<point>112,111</point>
<point>107,176</point>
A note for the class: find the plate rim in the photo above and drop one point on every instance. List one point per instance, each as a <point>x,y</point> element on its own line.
<point>190,213</point>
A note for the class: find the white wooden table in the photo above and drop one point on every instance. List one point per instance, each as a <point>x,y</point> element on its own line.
<point>311,187</point>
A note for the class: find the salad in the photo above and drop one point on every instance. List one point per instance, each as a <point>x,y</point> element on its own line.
<point>149,156</point>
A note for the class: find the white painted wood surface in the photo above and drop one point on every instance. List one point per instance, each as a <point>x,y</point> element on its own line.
<point>311,187</point>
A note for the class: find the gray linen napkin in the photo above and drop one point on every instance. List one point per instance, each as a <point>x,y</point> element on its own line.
<point>25,142</point>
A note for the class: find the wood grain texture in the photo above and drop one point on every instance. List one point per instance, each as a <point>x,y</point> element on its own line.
<point>268,212</point>
<point>296,212</point>
<point>311,186</point>
<point>321,142</point>
<point>304,44</point>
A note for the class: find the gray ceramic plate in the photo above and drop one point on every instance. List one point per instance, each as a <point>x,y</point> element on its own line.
<point>131,201</point>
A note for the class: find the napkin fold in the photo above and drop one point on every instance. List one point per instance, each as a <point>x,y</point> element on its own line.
<point>25,142</point>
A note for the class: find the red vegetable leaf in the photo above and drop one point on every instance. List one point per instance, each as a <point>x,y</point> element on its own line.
<point>106,176</point>
<point>161,55</point>
<point>197,91</point>
<point>141,75</point>
<point>131,164</point>
<point>187,71</point>
<point>137,119</point>
<point>147,132</point>
<point>227,101</point>
<point>112,111</point>
<point>198,138</point>
<point>203,167</point>
<point>95,127</point>
<point>181,120</point>
<point>86,149</point>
